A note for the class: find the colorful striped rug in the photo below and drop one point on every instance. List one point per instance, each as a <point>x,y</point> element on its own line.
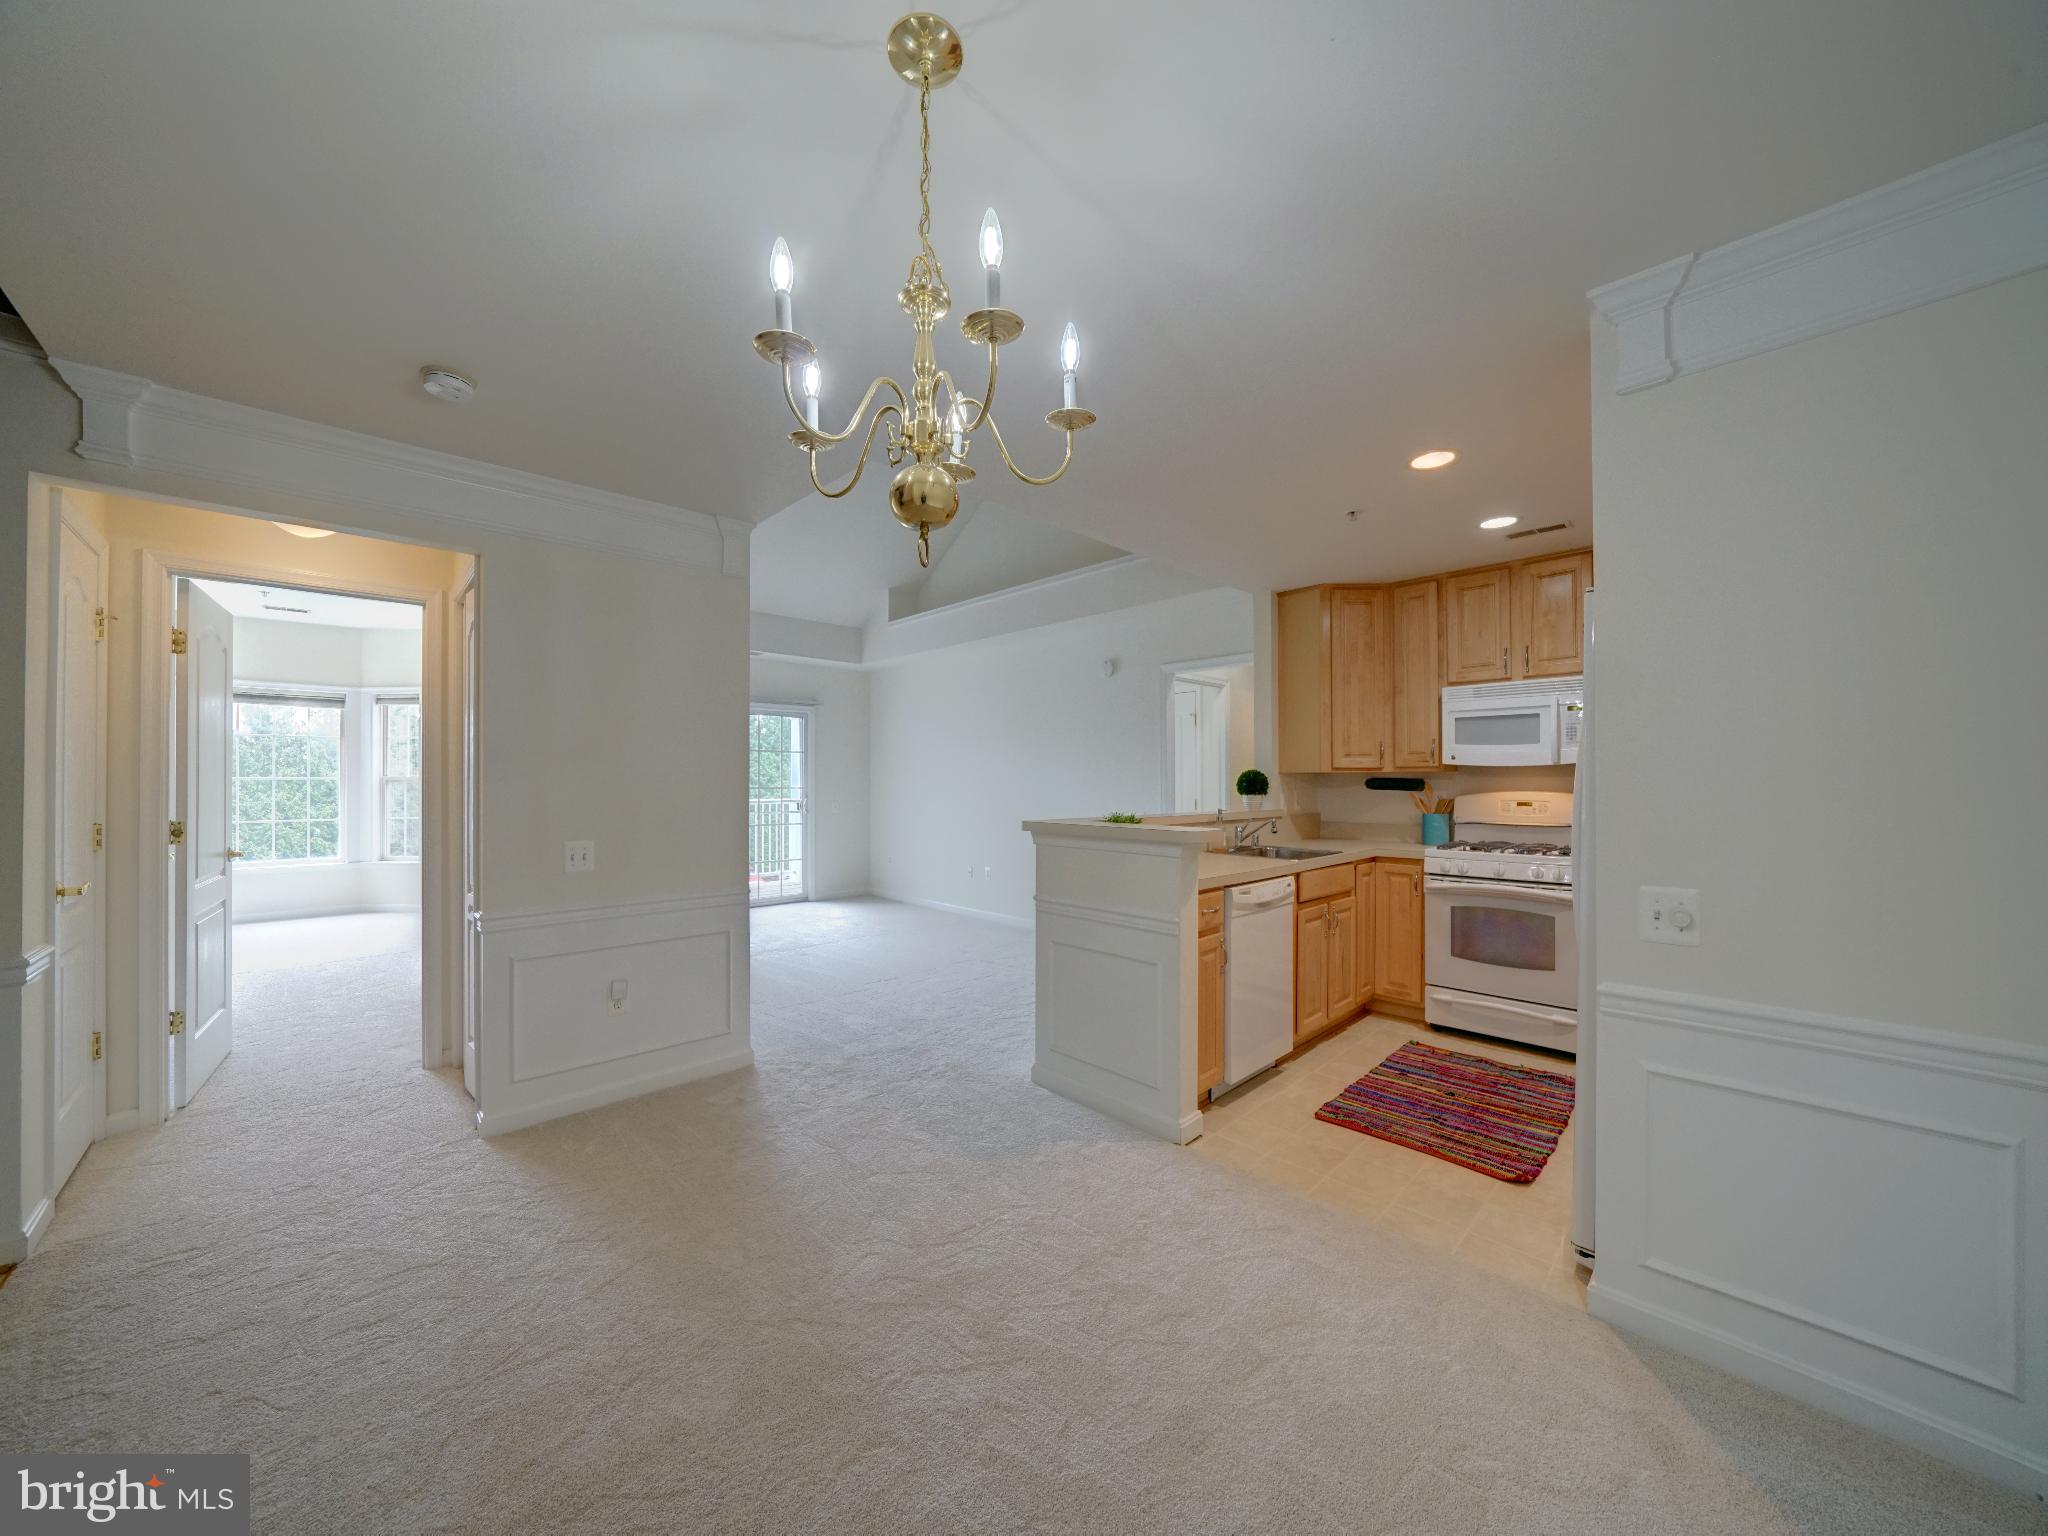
<point>1483,1115</point>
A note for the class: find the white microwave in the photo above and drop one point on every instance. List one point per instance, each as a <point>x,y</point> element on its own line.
<point>1514,725</point>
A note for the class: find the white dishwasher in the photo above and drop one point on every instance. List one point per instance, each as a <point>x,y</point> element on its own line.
<point>1258,978</point>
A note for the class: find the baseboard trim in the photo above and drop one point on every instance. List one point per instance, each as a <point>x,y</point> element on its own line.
<point>610,1093</point>
<point>957,910</point>
<point>121,1124</point>
<point>2010,1465</point>
<point>20,1246</point>
<point>1180,1132</point>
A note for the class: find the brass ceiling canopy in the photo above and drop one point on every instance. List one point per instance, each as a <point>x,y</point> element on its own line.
<point>929,445</point>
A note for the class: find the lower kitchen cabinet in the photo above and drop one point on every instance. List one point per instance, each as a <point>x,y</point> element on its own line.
<point>1327,939</point>
<point>1397,931</point>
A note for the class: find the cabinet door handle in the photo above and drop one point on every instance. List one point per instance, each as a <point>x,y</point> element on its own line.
<point>1503,658</point>
<point>1525,661</point>
<point>1415,884</point>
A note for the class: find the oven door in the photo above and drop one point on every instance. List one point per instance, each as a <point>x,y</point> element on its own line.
<point>1503,733</point>
<point>1502,939</point>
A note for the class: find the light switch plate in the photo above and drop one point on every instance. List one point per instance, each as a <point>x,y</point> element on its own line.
<point>582,857</point>
<point>1668,914</point>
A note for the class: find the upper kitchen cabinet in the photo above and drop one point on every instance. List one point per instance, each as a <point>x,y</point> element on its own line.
<point>1477,617</point>
<point>1358,677</point>
<point>1332,666</point>
<point>1418,675</point>
<point>1361,670</point>
<point>1550,614</point>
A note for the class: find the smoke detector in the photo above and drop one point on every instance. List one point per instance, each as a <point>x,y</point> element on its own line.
<point>444,384</point>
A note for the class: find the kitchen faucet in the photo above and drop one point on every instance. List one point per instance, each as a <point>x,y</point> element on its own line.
<point>1246,834</point>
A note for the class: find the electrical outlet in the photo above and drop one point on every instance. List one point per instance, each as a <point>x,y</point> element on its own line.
<point>615,999</point>
<point>1668,915</point>
<point>582,857</point>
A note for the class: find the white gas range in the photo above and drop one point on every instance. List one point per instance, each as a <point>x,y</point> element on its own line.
<point>1500,935</point>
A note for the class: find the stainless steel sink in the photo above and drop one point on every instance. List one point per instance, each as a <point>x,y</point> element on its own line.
<point>1283,853</point>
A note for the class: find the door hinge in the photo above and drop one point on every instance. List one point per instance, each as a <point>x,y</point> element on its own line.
<point>177,642</point>
<point>95,1045</point>
<point>177,1022</point>
<point>177,833</point>
<point>99,837</point>
<point>99,623</point>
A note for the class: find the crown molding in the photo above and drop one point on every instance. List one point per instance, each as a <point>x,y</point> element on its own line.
<point>132,421</point>
<point>1977,219</point>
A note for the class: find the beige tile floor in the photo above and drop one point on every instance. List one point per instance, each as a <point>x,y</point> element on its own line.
<point>1268,1130</point>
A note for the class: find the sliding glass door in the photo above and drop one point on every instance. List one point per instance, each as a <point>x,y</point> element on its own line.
<point>778,803</point>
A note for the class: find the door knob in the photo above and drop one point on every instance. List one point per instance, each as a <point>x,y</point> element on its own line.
<point>73,890</point>
<point>234,853</point>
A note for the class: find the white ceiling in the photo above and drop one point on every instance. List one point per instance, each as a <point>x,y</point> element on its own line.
<point>297,605</point>
<point>1302,242</point>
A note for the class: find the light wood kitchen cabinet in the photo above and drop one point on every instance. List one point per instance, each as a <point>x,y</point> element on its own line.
<point>1358,678</point>
<point>1343,965</point>
<point>1418,675</point>
<point>1397,930</point>
<point>1478,608</point>
<point>1550,614</point>
<point>1367,935</point>
<point>1331,652</point>
<point>1311,969</point>
<point>1209,1011</point>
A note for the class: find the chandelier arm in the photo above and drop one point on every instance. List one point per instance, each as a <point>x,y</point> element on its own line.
<point>1003,449</point>
<point>988,396</point>
<point>853,424</point>
<point>860,464</point>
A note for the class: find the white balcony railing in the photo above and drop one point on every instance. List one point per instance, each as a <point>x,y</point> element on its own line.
<point>775,849</point>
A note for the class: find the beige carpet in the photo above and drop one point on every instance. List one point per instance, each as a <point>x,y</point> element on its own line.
<point>878,1283</point>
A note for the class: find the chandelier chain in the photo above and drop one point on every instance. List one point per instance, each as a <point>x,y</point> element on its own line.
<point>926,259</point>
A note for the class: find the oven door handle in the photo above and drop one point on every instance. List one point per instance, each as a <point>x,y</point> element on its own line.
<point>1506,890</point>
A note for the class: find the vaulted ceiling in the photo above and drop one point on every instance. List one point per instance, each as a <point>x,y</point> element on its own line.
<point>1302,242</point>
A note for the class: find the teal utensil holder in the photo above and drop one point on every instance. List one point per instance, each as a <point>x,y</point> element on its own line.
<point>1436,829</point>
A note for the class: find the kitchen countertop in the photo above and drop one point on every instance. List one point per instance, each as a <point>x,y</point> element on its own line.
<point>1221,869</point>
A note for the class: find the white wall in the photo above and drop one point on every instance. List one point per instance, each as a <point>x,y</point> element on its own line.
<point>1822,1134</point>
<point>1823,610</point>
<point>839,769</point>
<point>336,655</point>
<point>972,740</point>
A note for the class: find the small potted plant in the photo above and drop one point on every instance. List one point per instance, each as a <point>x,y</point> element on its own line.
<point>1251,788</point>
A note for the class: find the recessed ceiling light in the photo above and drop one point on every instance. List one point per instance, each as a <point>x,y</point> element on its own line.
<point>1436,458</point>
<point>445,385</point>
<point>298,532</point>
<point>1499,522</point>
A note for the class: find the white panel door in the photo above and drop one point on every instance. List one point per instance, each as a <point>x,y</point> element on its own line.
<point>79,1106</point>
<point>472,940</point>
<point>206,698</point>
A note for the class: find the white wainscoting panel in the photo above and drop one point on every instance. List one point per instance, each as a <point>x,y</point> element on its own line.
<point>1116,978</point>
<point>1845,1210</point>
<point>28,1013</point>
<point>548,1043</point>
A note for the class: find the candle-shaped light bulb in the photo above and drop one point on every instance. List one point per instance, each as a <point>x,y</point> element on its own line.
<point>956,427</point>
<point>814,384</point>
<point>992,256</point>
<point>782,278</point>
<point>1070,363</point>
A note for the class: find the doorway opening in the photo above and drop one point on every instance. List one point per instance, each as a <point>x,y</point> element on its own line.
<point>780,745</point>
<point>299,784</point>
<point>259,760</point>
<point>1208,732</point>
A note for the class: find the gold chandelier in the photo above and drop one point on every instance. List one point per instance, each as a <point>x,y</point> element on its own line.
<point>925,50</point>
